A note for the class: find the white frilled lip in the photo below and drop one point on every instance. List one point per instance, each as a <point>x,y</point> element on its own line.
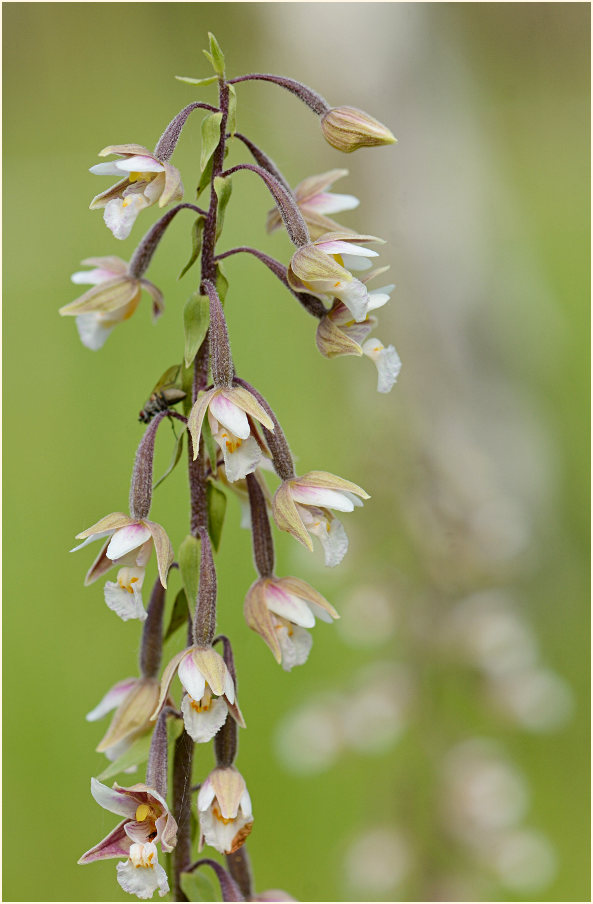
<point>125,802</point>
<point>128,534</point>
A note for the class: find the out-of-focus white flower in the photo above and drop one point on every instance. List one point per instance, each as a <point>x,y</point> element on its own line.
<point>310,738</point>
<point>482,792</point>
<point>377,862</point>
<point>537,699</point>
<point>368,617</point>
<point>524,860</point>
<point>374,714</point>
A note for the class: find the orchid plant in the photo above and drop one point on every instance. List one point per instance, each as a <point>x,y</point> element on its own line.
<point>232,436</point>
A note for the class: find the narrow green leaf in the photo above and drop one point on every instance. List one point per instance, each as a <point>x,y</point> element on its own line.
<point>222,283</point>
<point>231,123</point>
<point>179,615</point>
<point>196,244</point>
<point>208,56</point>
<point>204,179</point>
<point>198,886</point>
<point>134,756</point>
<point>196,319</point>
<point>210,444</point>
<point>223,187</point>
<point>187,382</point>
<point>189,565</point>
<point>209,80</point>
<point>177,450</point>
<point>216,510</point>
<point>216,55</point>
<point>210,137</point>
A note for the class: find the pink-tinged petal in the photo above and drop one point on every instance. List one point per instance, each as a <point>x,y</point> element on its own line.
<point>191,677</point>
<point>173,187</point>
<point>105,169</point>
<point>311,596</point>
<point>166,680</point>
<point>112,699</point>
<point>230,415</point>
<point>126,539</point>
<point>206,794</point>
<point>287,515</point>
<point>163,549</point>
<point>332,482</point>
<point>355,264</point>
<point>138,164</point>
<point>113,800</point>
<point>100,566</point>
<point>288,606</point>
<point>125,150</point>
<point>91,277</point>
<point>116,844</point>
<point>91,539</point>
<point>139,832</point>
<point>322,497</point>
<point>158,302</point>
<point>339,247</point>
<point>246,804</point>
<point>321,613</point>
<point>115,265</point>
<point>242,398</point>
<point>330,202</point>
<point>202,726</point>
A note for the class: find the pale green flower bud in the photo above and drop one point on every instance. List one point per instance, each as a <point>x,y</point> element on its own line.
<point>347,129</point>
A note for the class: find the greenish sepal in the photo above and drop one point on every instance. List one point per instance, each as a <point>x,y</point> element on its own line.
<point>217,501</point>
<point>138,752</point>
<point>210,137</point>
<point>197,886</point>
<point>179,615</point>
<point>196,244</point>
<point>223,187</point>
<point>189,565</point>
<point>196,319</point>
<point>216,56</point>
<point>174,459</point>
<point>209,80</point>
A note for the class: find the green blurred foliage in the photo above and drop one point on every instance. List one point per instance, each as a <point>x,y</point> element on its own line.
<point>80,76</point>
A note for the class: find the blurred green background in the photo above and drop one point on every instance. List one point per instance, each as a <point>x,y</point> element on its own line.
<point>457,768</point>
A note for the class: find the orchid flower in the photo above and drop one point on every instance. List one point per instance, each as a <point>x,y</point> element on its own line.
<point>134,700</point>
<point>146,180</point>
<point>224,809</point>
<point>114,298</point>
<point>315,201</point>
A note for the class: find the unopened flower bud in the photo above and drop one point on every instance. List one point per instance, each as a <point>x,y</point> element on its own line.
<point>347,129</point>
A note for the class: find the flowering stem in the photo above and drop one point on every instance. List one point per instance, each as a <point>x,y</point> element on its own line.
<point>228,887</point>
<point>263,545</point>
<point>182,769</point>
<point>283,463</point>
<point>209,236</point>
<point>309,97</point>
<point>157,768</point>
<point>240,869</point>
<point>197,489</point>
<point>222,361</point>
<point>205,617</point>
<point>151,647</point>
<point>143,254</point>
<point>311,304</point>
<point>168,140</point>
<point>141,484</point>
<point>285,202</point>
<point>260,157</point>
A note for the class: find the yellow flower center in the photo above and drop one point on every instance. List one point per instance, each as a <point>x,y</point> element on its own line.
<point>204,704</point>
<point>216,812</point>
<point>145,811</point>
<point>141,177</point>
<point>127,586</point>
<point>232,443</point>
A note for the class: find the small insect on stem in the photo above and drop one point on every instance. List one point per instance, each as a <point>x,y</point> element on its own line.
<point>166,392</point>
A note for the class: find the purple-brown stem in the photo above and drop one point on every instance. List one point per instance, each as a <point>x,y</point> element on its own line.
<point>220,349</point>
<point>240,869</point>
<point>209,236</point>
<point>151,646</point>
<point>228,887</point>
<point>309,97</point>
<point>281,455</point>
<point>142,256</point>
<point>182,770</point>
<point>141,484</point>
<point>285,202</point>
<point>260,157</point>
<point>205,616</point>
<point>311,304</point>
<point>168,140</point>
<point>261,534</point>
<point>157,769</point>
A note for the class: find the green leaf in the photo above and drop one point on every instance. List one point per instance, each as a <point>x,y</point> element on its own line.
<point>209,80</point>
<point>178,615</point>
<point>216,510</point>
<point>216,55</point>
<point>211,447</point>
<point>196,319</point>
<point>196,244</point>
<point>210,137</point>
<point>222,283</point>
<point>134,756</point>
<point>223,187</point>
<point>231,123</point>
<point>175,458</point>
<point>189,565</point>
<point>204,179</point>
<point>187,382</point>
<point>198,886</point>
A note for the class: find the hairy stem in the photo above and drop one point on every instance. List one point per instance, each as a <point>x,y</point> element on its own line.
<point>309,97</point>
<point>240,869</point>
<point>182,769</point>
